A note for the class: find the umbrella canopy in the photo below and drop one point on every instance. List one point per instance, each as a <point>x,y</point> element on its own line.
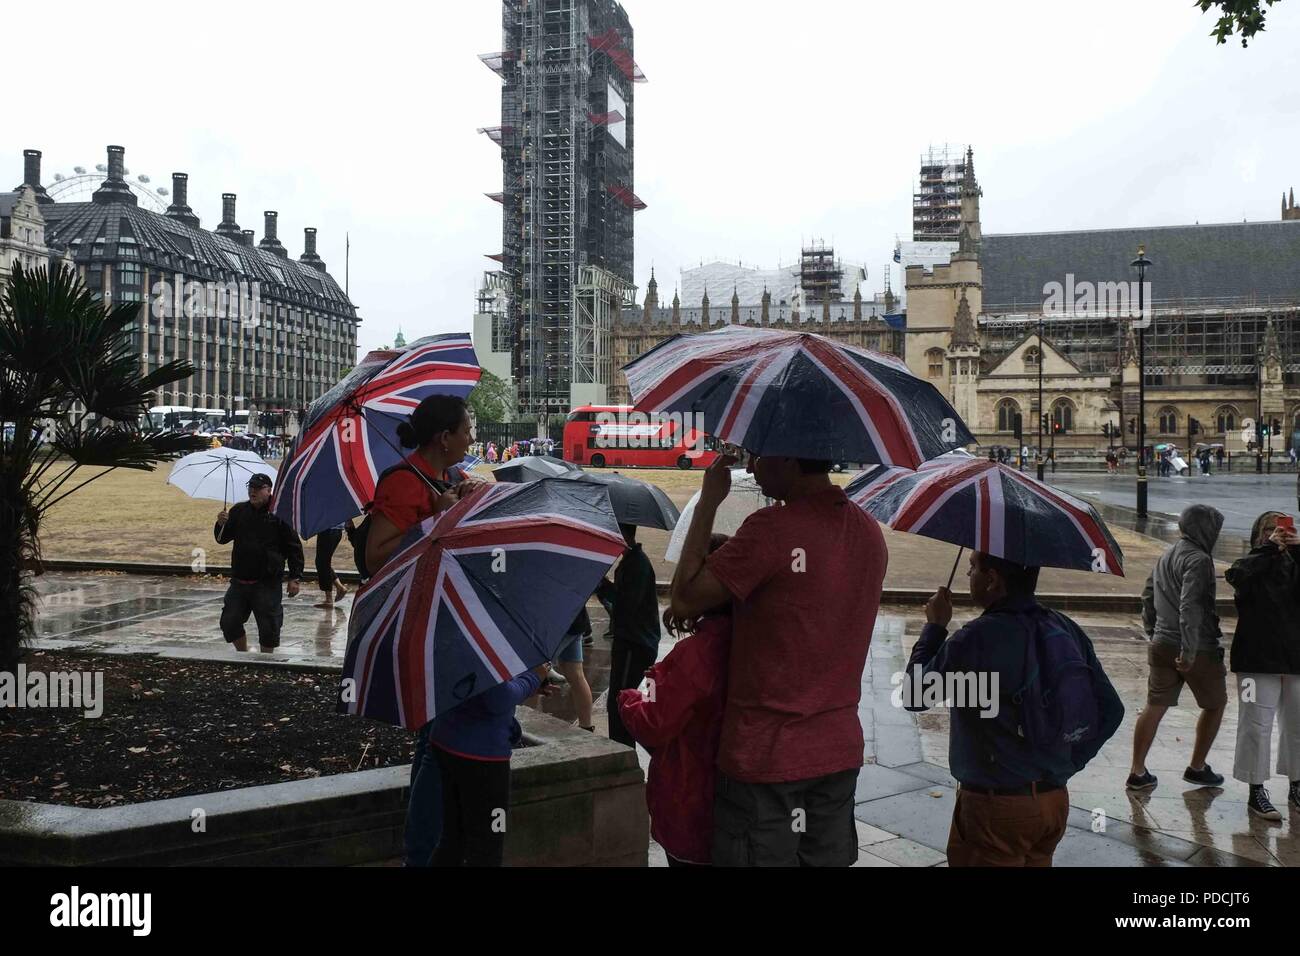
<point>218,473</point>
<point>635,501</point>
<point>349,436</point>
<point>743,500</point>
<point>797,394</point>
<point>475,596</point>
<point>533,467</point>
<point>991,507</point>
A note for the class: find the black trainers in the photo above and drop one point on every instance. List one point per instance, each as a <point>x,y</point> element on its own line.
<point>1205,777</point>
<point>1261,806</point>
<point>1143,781</point>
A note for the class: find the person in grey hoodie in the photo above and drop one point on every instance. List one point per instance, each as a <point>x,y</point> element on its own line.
<point>1178,615</point>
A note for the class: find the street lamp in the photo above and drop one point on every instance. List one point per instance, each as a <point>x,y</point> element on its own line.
<point>1259,409</point>
<point>1142,263</point>
<point>1039,449</point>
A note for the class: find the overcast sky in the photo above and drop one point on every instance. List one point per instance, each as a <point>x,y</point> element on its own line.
<point>763,122</point>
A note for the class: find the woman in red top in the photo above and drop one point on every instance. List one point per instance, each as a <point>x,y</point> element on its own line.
<point>440,433</point>
<point>679,720</point>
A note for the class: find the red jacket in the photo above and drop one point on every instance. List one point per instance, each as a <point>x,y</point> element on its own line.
<point>679,720</point>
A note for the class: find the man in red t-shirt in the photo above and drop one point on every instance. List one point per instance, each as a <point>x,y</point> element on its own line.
<point>805,579</point>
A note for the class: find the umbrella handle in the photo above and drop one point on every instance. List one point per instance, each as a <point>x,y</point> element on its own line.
<point>954,567</point>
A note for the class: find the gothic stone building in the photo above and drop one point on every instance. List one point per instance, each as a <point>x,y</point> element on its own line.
<point>866,324</point>
<point>1224,301</point>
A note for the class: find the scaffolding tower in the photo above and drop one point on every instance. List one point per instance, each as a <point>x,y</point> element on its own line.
<point>566,137</point>
<point>821,276</point>
<point>936,206</point>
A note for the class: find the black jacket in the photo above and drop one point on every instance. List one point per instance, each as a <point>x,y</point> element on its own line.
<point>263,543</point>
<point>1267,583</point>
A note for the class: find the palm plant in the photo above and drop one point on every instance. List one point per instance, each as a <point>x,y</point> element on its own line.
<point>71,396</point>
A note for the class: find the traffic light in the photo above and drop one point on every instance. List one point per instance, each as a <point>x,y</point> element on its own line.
<point>1277,426</point>
<point>1193,426</point>
<point>1056,428</point>
<point>1019,428</point>
<point>1263,430</point>
<point>1047,422</point>
<point>1105,429</point>
<point>1132,426</point>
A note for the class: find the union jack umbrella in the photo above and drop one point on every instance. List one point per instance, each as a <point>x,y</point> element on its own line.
<point>991,507</point>
<point>349,437</point>
<point>476,596</point>
<point>797,394</point>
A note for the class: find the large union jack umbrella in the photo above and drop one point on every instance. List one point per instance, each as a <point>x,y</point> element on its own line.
<point>798,394</point>
<point>991,507</point>
<point>349,437</point>
<point>476,596</point>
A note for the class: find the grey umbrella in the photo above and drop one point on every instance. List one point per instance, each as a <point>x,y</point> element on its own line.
<point>635,502</point>
<point>533,468</point>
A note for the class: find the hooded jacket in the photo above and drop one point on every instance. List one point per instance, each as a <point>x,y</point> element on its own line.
<point>1267,585</point>
<point>1178,600</point>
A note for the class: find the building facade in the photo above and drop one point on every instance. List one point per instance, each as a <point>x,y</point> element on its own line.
<point>870,324</point>
<point>264,331</point>
<point>567,139</point>
<point>1223,302</point>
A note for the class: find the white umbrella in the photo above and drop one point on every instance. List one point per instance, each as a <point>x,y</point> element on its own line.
<point>745,498</point>
<point>218,473</point>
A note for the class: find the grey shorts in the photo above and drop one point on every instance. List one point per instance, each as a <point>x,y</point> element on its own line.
<point>758,824</point>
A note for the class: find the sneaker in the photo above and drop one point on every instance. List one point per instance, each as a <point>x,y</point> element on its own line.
<point>1293,798</point>
<point>1261,806</point>
<point>588,641</point>
<point>1143,781</point>
<point>1205,777</point>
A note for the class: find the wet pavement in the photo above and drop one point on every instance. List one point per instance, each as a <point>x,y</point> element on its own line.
<point>1241,498</point>
<point>905,795</point>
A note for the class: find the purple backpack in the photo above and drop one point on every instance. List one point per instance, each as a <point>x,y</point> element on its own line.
<point>1058,701</point>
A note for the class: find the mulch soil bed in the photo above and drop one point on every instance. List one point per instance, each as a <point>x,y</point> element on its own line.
<point>176,728</point>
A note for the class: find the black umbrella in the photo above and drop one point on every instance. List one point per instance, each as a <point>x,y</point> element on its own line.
<point>635,502</point>
<point>533,468</point>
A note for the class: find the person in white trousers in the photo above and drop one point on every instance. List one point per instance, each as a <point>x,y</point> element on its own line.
<point>1266,660</point>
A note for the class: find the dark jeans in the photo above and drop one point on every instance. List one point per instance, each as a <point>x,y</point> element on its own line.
<point>424,806</point>
<point>799,823</point>
<point>327,543</point>
<point>627,665</point>
<point>476,796</point>
<point>262,600</point>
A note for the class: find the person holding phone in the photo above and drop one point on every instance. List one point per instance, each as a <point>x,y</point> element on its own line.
<point>1266,660</point>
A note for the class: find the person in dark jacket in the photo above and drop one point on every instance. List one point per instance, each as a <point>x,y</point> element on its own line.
<point>634,621</point>
<point>263,545</point>
<point>327,543</point>
<point>1266,660</point>
<point>473,743</point>
<point>1013,804</point>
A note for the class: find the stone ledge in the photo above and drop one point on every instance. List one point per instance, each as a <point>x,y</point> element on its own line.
<point>565,788</point>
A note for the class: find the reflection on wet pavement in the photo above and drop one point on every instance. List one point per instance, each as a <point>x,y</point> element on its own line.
<point>904,796</point>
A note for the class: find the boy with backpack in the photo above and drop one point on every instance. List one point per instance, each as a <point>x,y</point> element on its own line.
<point>1055,709</point>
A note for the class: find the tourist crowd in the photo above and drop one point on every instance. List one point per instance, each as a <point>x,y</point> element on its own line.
<point>752,719</point>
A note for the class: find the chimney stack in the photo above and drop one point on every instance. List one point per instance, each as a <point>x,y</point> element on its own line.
<point>270,242</point>
<point>180,207</point>
<point>309,256</point>
<point>228,227</point>
<point>32,175</point>
<point>246,237</point>
<point>114,189</point>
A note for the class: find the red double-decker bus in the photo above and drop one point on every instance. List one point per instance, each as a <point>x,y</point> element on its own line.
<point>617,435</point>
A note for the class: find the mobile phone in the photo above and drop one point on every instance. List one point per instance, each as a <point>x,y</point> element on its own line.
<point>1286,523</point>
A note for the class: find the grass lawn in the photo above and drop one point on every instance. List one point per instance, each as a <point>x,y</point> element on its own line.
<point>137,516</point>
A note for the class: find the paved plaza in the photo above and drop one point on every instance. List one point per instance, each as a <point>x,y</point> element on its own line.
<point>905,795</point>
